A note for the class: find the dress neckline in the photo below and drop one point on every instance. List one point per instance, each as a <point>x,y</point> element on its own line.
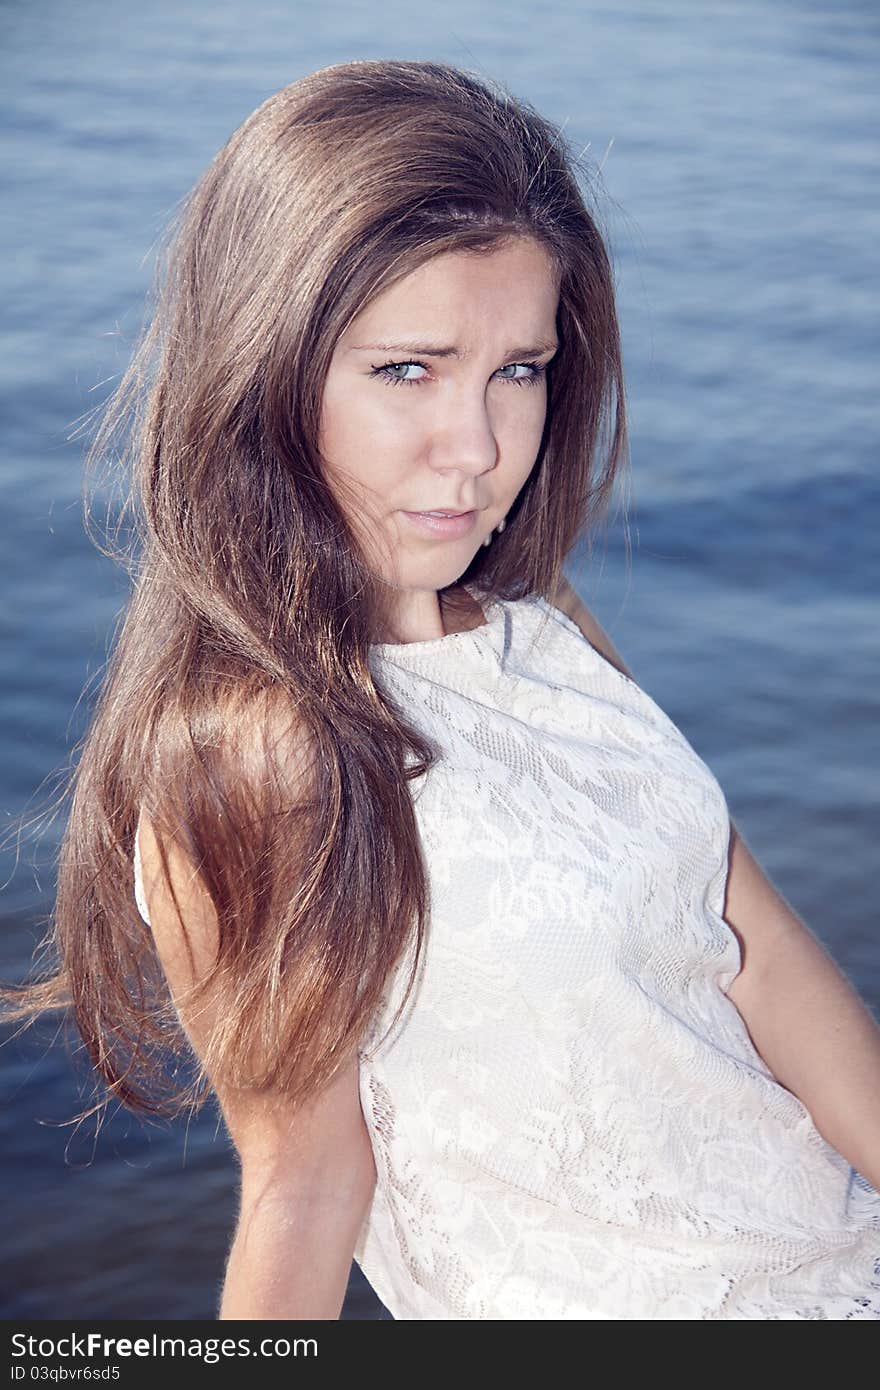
<point>493,611</point>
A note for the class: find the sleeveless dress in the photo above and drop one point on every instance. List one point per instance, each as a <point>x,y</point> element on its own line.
<point>570,1121</point>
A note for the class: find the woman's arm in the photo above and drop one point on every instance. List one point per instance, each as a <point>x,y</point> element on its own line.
<point>804,1017</point>
<point>307,1175</point>
<point>302,1206</point>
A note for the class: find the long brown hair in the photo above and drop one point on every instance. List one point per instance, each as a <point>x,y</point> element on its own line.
<point>244,648</point>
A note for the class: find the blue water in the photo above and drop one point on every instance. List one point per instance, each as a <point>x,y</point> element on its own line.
<point>738,150</point>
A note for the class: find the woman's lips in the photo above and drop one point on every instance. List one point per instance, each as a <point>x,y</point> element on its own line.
<point>443,527</point>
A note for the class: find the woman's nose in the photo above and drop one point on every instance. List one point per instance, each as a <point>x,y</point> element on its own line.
<point>464,438</point>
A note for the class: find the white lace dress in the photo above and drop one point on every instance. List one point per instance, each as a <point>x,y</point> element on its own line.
<point>570,1120</point>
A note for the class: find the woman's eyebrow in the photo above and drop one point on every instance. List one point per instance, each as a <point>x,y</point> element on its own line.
<point>434,350</point>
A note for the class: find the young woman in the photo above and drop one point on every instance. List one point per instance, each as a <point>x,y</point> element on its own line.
<point>448,914</point>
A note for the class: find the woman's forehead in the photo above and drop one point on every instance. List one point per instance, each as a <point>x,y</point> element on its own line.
<point>451,291</point>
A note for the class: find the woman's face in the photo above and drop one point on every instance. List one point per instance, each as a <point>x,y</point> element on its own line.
<point>435,400</point>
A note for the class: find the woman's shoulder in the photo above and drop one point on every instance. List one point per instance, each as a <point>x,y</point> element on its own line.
<point>567,600</point>
<point>272,730</point>
<point>254,741</point>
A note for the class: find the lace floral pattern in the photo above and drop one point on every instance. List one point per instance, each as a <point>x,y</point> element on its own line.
<point>570,1120</point>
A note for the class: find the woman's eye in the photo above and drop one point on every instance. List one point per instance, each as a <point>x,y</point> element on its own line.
<point>532,370</point>
<point>389,373</point>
